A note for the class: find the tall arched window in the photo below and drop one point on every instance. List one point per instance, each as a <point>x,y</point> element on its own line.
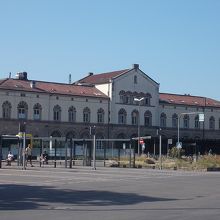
<point>6,110</point>
<point>22,110</point>
<point>100,115</point>
<point>148,119</point>
<point>118,144</point>
<point>186,121</point>
<point>86,115</point>
<point>163,120</point>
<point>134,117</point>
<point>72,114</point>
<point>197,122</point>
<point>37,109</point>
<point>128,98</point>
<point>57,113</point>
<point>99,143</point>
<point>148,99</point>
<point>122,96</point>
<point>122,114</point>
<point>174,120</point>
<point>212,123</point>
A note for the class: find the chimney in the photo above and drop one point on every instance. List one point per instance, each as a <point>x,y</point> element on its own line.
<point>21,75</point>
<point>32,84</point>
<point>135,66</point>
<point>90,74</point>
<point>70,78</point>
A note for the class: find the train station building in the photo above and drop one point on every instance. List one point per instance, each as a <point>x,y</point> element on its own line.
<point>120,104</point>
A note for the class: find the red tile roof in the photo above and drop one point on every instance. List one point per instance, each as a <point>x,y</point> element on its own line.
<point>188,100</point>
<point>102,77</point>
<point>50,87</point>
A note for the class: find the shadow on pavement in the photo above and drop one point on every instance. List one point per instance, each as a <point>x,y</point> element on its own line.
<point>24,197</point>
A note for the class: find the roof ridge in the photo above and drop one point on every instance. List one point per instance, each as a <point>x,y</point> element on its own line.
<point>185,95</point>
<point>123,70</point>
<point>101,77</point>
<point>3,80</point>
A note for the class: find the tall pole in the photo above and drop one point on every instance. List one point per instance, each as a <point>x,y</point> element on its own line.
<point>139,129</point>
<point>94,153</point>
<point>92,132</point>
<point>203,127</point>
<point>160,154</point>
<point>108,129</point>
<point>154,147</point>
<point>55,154</point>
<point>178,130</point>
<point>66,146</point>
<point>71,152</point>
<point>139,104</point>
<point>24,153</point>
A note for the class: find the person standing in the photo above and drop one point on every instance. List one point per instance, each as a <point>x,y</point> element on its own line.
<point>28,152</point>
<point>10,158</point>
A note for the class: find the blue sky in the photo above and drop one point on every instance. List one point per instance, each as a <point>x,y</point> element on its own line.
<point>176,42</point>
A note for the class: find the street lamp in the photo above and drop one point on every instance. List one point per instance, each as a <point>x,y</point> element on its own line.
<point>201,119</point>
<point>139,104</point>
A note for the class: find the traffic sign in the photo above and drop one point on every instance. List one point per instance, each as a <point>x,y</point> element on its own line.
<point>179,145</point>
<point>170,141</point>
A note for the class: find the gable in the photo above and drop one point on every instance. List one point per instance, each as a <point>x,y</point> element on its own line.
<point>135,81</point>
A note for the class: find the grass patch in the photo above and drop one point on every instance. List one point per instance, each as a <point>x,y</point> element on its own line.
<point>184,163</point>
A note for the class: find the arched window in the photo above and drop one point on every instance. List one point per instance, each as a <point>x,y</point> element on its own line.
<point>70,135</point>
<point>100,115</point>
<point>85,134</point>
<point>37,109</point>
<point>197,122</point>
<point>57,113</point>
<point>174,120</point>
<point>128,99</point>
<point>186,121</point>
<point>99,143</point>
<point>122,114</point>
<point>86,115</point>
<point>72,114</point>
<point>22,110</point>
<point>163,120</point>
<point>148,99</point>
<point>122,96</point>
<point>134,117</point>
<point>120,143</point>
<point>6,110</point>
<point>212,123</point>
<point>148,119</point>
<point>56,134</point>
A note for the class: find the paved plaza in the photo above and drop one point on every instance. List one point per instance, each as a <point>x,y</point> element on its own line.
<point>107,193</point>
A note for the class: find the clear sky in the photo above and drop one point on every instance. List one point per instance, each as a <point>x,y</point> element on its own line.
<point>175,42</point>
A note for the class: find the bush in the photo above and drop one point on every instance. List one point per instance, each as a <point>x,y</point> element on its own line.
<point>176,152</point>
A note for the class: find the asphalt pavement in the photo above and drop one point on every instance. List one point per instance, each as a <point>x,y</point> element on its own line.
<point>107,193</point>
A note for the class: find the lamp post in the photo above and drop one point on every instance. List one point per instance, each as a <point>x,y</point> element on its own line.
<point>139,104</point>
<point>201,119</point>
<point>93,132</point>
